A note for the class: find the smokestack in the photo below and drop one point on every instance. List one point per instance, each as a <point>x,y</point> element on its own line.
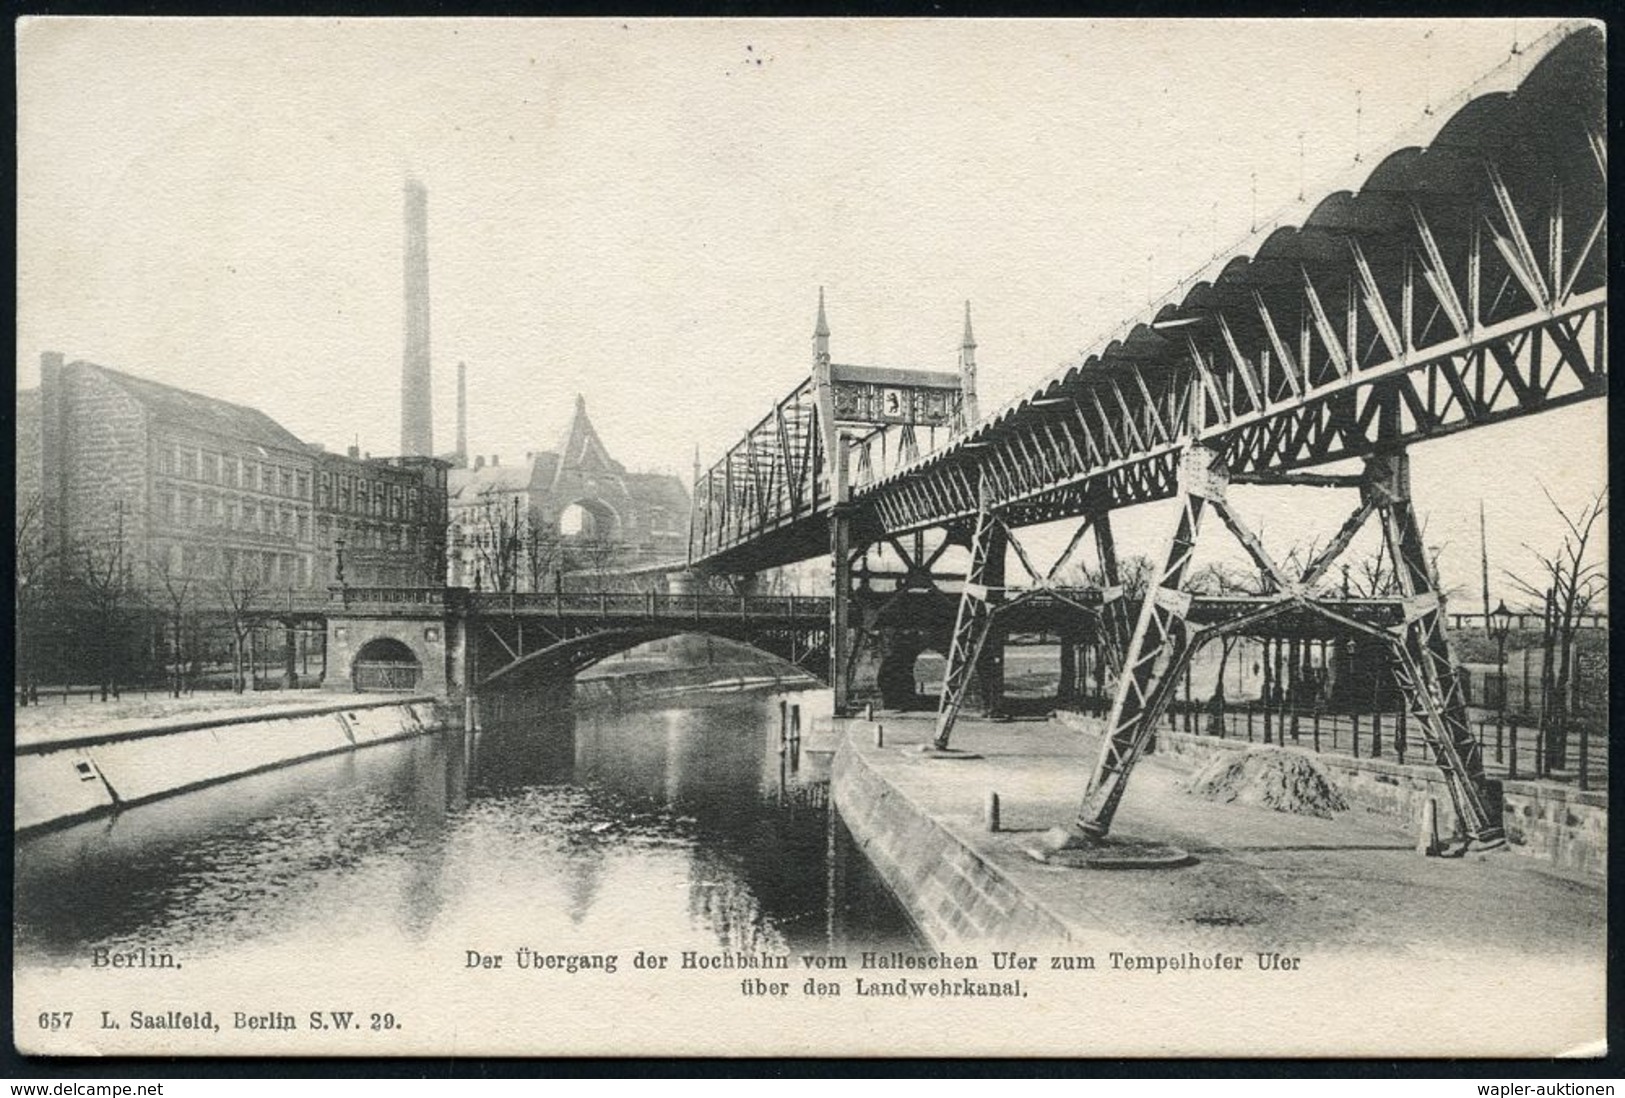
<point>417,418</point>
<point>462,414</point>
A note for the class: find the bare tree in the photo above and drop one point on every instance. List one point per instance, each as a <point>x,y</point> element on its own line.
<point>595,553</point>
<point>176,586</point>
<point>542,551</point>
<point>32,582</point>
<point>106,578</point>
<point>1566,584</point>
<point>497,542</point>
<point>1133,573</point>
<point>1220,578</point>
<point>238,585</point>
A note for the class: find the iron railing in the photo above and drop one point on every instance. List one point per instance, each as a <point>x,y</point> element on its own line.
<point>652,605</point>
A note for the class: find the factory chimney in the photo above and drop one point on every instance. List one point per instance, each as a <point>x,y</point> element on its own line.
<point>462,416</point>
<point>417,416</point>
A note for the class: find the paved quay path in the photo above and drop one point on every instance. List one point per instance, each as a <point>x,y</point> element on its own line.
<point>1262,880</point>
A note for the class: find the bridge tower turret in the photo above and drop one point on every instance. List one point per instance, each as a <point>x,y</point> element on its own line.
<point>968,411</point>
<point>840,513</point>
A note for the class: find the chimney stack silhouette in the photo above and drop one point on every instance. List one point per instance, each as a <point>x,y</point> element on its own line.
<point>417,410</point>
<point>462,415</point>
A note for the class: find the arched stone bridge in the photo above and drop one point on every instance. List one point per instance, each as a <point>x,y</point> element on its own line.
<point>446,640</point>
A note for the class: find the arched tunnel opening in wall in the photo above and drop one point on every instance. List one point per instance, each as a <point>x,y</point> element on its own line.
<point>910,674</point>
<point>385,665</point>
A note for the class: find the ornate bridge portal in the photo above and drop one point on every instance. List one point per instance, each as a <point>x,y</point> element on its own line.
<point>1464,284</point>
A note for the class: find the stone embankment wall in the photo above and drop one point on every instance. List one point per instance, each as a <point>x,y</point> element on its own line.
<point>59,782</point>
<point>955,899</point>
<point>1557,824</point>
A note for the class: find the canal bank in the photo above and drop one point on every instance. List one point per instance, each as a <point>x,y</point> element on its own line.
<point>1262,880</point>
<point>66,777</point>
<point>98,765</point>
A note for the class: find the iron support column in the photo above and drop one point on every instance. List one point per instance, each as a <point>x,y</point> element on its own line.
<point>1154,656</point>
<point>990,662</point>
<point>840,607</point>
<point>1425,664</point>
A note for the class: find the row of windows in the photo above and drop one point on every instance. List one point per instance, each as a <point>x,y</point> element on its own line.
<point>368,535</point>
<point>233,472</point>
<point>246,565</point>
<point>225,512</point>
<point>358,495</point>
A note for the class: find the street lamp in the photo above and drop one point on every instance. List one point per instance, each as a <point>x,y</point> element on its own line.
<point>1500,623</point>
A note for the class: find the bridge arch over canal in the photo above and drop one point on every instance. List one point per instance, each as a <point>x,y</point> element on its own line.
<point>797,649</point>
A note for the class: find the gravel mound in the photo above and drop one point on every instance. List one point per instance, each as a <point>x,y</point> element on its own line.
<point>1285,781</point>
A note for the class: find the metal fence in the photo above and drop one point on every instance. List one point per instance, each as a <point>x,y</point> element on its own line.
<point>1510,750</point>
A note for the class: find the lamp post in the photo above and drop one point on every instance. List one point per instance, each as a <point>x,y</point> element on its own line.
<point>1500,624</point>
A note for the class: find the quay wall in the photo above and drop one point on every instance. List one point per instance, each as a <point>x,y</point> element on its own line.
<point>64,781</point>
<point>1557,824</point>
<point>955,899</point>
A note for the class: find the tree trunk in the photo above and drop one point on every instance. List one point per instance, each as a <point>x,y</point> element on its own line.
<point>176,685</point>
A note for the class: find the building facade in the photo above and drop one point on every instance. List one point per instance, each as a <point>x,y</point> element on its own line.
<point>572,517</point>
<point>181,484</point>
<point>386,516</point>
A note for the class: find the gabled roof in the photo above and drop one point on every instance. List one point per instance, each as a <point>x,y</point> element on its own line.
<point>182,408</point>
<point>467,486</point>
<point>581,450</point>
<point>658,490</point>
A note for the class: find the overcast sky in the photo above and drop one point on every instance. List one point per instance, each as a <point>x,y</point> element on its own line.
<point>642,212</point>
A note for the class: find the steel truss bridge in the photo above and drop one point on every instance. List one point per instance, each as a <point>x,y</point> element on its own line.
<point>1463,284</point>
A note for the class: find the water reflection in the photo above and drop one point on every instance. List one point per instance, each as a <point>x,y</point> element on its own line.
<point>683,824</point>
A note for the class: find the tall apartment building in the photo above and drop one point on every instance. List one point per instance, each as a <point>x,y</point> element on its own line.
<point>389,516</point>
<point>198,486</point>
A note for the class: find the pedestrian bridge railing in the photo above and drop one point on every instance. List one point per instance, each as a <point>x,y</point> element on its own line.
<point>653,605</point>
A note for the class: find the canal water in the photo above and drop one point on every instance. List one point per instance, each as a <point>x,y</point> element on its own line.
<point>680,824</point>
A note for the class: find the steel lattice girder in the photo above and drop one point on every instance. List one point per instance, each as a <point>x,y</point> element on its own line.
<point>1464,284</point>
<point>1535,364</point>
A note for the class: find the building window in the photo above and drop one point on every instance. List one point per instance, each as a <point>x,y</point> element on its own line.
<point>287,482</point>
<point>228,471</point>
<point>303,482</point>
<point>166,460</point>
<point>344,493</point>
<point>304,571</point>
<point>211,468</point>
<point>189,464</point>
